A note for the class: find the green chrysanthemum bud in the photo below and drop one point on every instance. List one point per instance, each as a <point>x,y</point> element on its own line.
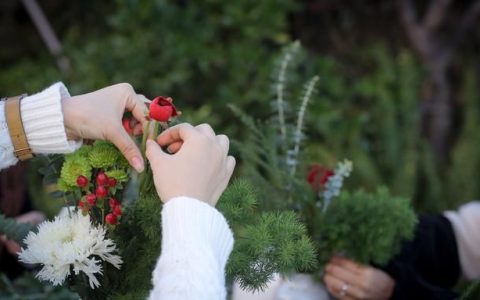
<point>118,174</point>
<point>83,151</point>
<point>103,155</point>
<point>74,166</point>
<point>63,186</point>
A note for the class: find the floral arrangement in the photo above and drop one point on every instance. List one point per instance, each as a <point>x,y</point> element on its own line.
<point>366,227</point>
<point>104,244</point>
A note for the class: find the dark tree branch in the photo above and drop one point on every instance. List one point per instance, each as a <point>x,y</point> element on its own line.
<point>418,35</point>
<point>436,13</point>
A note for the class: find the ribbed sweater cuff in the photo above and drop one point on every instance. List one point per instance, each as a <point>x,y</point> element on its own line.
<point>43,121</point>
<point>190,221</point>
<point>466,223</point>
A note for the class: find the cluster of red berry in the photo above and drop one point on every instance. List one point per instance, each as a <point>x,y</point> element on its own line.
<point>103,190</point>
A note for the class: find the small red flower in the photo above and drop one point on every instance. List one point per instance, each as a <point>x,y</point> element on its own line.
<point>82,181</point>
<point>111,219</point>
<point>162,109</point>
<point>101,192</point>
<point>318,176</point>
<point>112,182</point>
<point>117,210</point>
<point>102,179</point>
<point>91,199</point>
<point>113,202</point>
<point>126,125</point>
<point>81,204</point>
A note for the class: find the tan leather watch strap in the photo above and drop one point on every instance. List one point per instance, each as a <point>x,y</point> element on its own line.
<point>15,127</point>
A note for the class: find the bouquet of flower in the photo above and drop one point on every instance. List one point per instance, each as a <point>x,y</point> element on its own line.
<point>366,227</point>
<point>104,245</point>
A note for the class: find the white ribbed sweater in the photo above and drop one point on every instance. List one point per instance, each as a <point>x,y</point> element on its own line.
<point>196,239</point>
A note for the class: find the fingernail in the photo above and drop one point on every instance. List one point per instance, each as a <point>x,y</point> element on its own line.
<point>149,142</point>
<point>137,164</point>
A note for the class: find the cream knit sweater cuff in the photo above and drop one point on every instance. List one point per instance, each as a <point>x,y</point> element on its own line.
<point>42,119</point>
<point>466,226</point>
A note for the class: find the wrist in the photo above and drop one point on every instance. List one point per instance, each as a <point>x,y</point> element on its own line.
<point>70,115</point>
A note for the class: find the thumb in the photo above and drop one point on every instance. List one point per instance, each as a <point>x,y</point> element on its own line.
<point>154,153</point>
<point>127,146</point>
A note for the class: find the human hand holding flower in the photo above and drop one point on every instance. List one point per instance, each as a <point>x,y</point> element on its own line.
<point>346,279</point>
<point>199,168</point>
<point>98,115</point>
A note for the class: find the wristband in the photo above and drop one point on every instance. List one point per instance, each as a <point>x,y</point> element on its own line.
<point>15,128</point>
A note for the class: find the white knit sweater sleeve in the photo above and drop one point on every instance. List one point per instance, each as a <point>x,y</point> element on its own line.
<point>42,120</point>
<point>466,226</point>
<point>196,243</point>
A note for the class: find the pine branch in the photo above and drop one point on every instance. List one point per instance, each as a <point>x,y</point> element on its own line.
<point>275,243</point>
<point>245,119</point>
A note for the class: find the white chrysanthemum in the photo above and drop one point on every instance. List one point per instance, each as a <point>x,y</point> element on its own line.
<point>69,242</point>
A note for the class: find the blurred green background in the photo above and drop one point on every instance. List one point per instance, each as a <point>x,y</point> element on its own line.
<point>398,95</point>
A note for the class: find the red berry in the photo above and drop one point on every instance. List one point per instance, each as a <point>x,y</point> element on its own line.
<point>111,219</point>
<point>81,204</point>
<point>113,202</point>
<point>117,210</point>
<point>112,182</point>
<point>82,181</point>
<point>102,179</point>
<point>91,199</point>
<point>101,192</point>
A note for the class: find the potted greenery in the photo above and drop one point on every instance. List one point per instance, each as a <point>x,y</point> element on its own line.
<point>367,227</point>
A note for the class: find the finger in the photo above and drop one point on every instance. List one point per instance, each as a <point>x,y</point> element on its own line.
<point>330,284</point>
<point>135,104</point>
<point>347,264</point>
<point>173,148</point>
<point>230,166</point>
<point>343,274</point>
<point>177,133</point>
<point>334,285</point>
<point>206,129</point>
<point>231,162</point>
<point>144,99</point>
<point>127,146</point>
<point>138,129</point>
<point>224,142</point>
<point>154,153</point>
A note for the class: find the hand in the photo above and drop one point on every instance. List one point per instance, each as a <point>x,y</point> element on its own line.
<point>199,167</point>
<point>98,115</point>
<point>33,217</point>
<point>346,279</point>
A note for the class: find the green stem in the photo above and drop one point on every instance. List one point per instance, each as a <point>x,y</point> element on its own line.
<point>146,131</point>
<point>103,213</point>
<point>155,129</point>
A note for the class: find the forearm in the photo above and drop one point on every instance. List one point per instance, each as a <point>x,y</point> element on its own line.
<point>42,120</point>
<point>196,243</point>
